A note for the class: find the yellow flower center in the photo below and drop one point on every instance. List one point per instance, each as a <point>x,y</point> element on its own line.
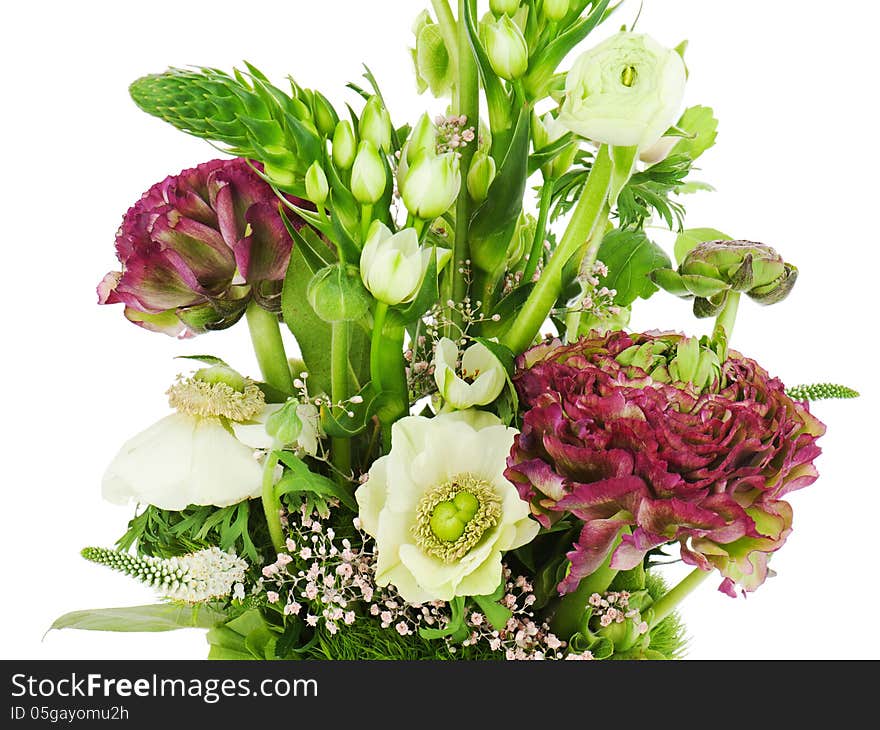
<point>628,76</point>
<point>452,517</point>
<point>214,393</point>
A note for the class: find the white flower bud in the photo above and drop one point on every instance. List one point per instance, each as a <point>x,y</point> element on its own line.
<point>480,176</point>
<point>555,9</point>
<point>431,184</point>
<point>482,375</point>
<point>368,178</point>
<point>506,47</point>
<point>504,7</point>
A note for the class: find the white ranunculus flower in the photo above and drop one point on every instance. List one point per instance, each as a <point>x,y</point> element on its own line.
<point>627,91</point>
<point>194,455</point>
<point>482,375</point>
<point>440,508</point>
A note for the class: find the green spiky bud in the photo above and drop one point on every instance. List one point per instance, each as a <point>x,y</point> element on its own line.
<point>820,391</point>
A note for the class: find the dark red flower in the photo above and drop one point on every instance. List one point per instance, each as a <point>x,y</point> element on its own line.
<point>196,247</point>
<point>669,461</point>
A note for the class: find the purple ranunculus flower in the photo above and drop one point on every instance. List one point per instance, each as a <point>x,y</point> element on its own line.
<point>617,448</point>
<point>197,247</point>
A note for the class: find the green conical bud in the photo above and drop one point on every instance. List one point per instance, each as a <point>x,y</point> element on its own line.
<point>423,138</point>
<point>504,7</point>
<point>431,185</point>
<point>344,145</point>
<point>368,178</point>
<point>324,114</point>
<point>375,124</point>
<point>317,188</point>
<point>506,47</point>
<point>555,10</point>
<point>337,294</point>
<point>480,176</point>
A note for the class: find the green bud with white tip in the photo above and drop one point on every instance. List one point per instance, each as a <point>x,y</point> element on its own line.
<point>555,10</point>
<point>480,176</point>
<point>375,124</point>
<point>344,145</point>
<point>504,7</point>
<point>431,184</point>
<point>317,188</point>
<point>368,176</point>
<point>324,114</point>
<point>506,47</point>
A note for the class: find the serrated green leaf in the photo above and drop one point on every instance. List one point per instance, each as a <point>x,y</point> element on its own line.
<point>630,257</point>
<point>700,124</point>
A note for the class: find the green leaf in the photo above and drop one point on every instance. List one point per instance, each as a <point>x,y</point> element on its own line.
<point>630,257</point>
<point>700,124</point>
<point>692,237</point>
<point>155,617</point>
<point>299,478</point>
<point>497,614</point>
<point>207,359</point>
<point>311,332</point>
<point>549,152</point>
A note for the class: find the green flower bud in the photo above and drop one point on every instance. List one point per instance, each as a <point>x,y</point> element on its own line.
<point>431,184</point>
<point>368,177</point>
<point>324,114</point>
<point>506,47</point>
<point>504,7</point>
<point>423,138</point>
<point>317,188</point>
<point>480,176</point>
<point>337,294</point>
<point>344,145</point>
<point>375,124</point>
<point>712,269</point>
<point>555,10</point>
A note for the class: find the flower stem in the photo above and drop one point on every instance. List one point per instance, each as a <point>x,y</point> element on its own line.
<point>586,217</point>
<point>724,323</point>
<point>591,251</point>
<point>271,503</point>
<point>376,345</point>
<point>667,603</point>
<point>340,447</point>
<point>366,219</point>
<point>540,230</point>
<point>468,91</point>
<point>269,347</point>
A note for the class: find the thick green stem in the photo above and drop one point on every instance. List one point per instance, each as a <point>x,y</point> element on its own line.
<point>269,347</point>
<point>586,217</point>
<point>540,230</point>
<point>672,598</point>
<point>724,323</point>
<point>271,503</point>
<point>446,21</point>
<point>340,447</point>
<point>455,283</point>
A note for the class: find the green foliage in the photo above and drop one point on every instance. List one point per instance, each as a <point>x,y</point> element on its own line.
<point>689,239</point>
<point>701,127</point>
<point>155,617</point>
<point>630,257</point>
<point>166,533</point>
<point>650,191</point>
<point>820,391</point>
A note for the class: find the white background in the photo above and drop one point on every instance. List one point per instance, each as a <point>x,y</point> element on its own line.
<point>795,86</point>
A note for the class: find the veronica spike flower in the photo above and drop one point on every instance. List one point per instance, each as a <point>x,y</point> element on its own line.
<point>194,578</point>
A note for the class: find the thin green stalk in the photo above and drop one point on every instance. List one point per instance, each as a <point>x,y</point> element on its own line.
<point>269,347</point>
<point>366,220</point>
<point>271,503</point>
<point>376,345</point>
<point>340,447</point>
<point>586,217</point>
<point>591,251</point>
<point>668,602</point>
<point>455,285</point>
<point>723,330</point>
<point>540,230</point>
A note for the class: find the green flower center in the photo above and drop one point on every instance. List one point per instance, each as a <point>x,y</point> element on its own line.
<point>628,76</point>
<point>452,517</point>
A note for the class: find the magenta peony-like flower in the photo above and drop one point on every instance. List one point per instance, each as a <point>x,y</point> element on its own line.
<point>626,446</point>
<point>197,247</point>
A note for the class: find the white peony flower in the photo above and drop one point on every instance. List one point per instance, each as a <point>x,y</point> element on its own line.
<point>440,508</point>
<point>194,456</point>
<point>482,375</point>
<point>627,91</point>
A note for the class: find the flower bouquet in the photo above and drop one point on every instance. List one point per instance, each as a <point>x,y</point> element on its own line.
<point>430,475</point>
